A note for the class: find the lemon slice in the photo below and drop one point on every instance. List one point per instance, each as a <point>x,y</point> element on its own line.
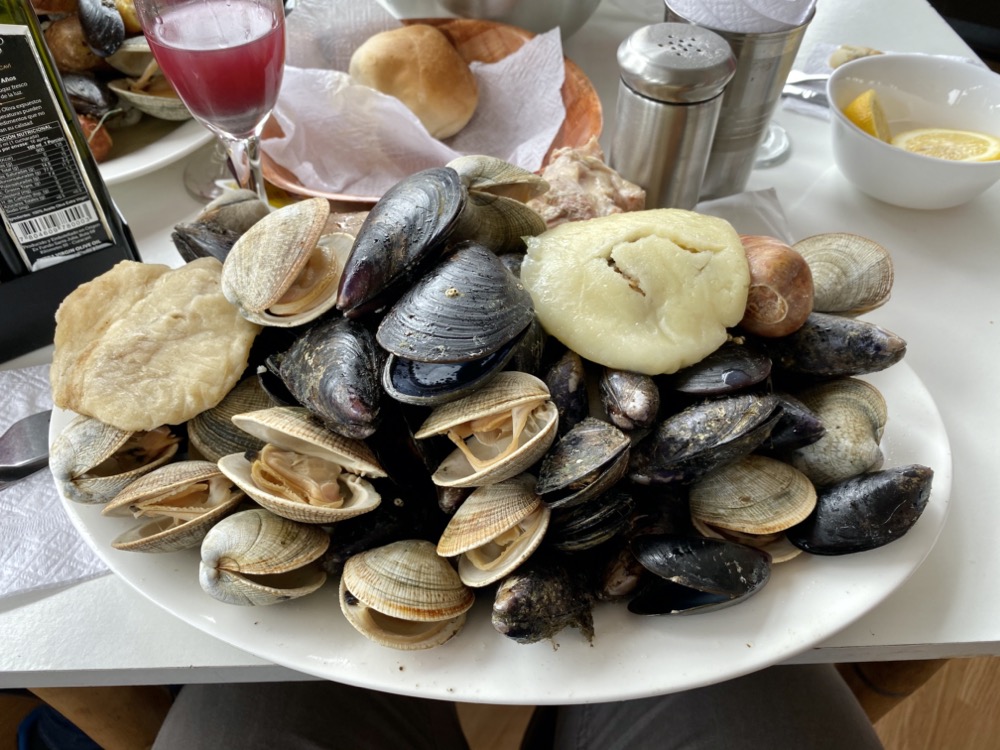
<point>866,112</point>
<point>955,145</point>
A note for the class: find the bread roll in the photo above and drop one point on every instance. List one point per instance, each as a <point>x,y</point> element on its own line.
<point>419,66</point>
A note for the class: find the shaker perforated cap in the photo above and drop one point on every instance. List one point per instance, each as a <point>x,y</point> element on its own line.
<point>678,63</point>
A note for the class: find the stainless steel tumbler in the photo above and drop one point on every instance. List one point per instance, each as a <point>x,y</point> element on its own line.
<point>763,61</point>
<point>669,96</point>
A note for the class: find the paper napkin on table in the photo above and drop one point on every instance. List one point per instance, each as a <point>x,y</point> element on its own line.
<point>749,16</point>
<point>39,546</point>
<point>340,137</point>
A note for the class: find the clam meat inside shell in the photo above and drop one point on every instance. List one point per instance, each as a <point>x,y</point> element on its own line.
<point>499,430</point>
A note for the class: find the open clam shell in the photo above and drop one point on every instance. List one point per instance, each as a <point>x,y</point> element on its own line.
<point>404,595</point>
<point>180,502</point>
<point>494,530</point>
<point>500,430</point>
<point>254,557</point>
<point>493,175</point>
<point>279,272</point>
<point>132,57</point>
<point>305,472</point>
<point>93,461</point>
<point>162,106</point>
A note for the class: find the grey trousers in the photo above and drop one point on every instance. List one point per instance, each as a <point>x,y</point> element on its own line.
<point>804,707</point>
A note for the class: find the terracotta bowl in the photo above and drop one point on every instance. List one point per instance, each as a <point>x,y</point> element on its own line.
<point>483,41</point>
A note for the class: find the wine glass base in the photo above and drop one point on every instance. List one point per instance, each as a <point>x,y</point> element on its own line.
<point>204,171</point>
<point>775,149</point>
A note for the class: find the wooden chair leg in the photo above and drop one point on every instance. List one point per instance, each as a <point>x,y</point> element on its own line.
<point>880,686</point>
<point>116,718</point>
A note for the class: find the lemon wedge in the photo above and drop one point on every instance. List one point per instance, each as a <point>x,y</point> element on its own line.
<point>955,145</point>
<point>866,112</point>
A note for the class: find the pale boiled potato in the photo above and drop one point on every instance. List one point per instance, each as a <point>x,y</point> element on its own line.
<point>646,291</point>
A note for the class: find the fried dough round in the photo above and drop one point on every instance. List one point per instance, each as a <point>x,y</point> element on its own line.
<point>145,345</point>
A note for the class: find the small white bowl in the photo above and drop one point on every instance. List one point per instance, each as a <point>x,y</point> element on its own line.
<point>915,91</point>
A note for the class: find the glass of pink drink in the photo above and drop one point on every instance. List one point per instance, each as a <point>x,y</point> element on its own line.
<point>225,59</point>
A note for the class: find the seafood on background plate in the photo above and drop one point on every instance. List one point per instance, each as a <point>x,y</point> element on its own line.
<point>460,402</point>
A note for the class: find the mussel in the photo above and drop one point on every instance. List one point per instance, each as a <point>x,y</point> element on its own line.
<point>540,599</point>
<point>333,369</point>
<point>463,311</point>
<point>704,436</point>
<point>865,512</point>
<point>696,574</point>
<point>402,236</point>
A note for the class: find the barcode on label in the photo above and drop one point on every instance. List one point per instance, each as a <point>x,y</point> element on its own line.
<point>55,222</point>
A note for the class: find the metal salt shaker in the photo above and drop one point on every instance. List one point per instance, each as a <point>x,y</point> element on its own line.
<point>669,95</point>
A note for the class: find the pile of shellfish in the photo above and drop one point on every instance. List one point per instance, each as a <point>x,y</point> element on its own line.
<point>408,429</point>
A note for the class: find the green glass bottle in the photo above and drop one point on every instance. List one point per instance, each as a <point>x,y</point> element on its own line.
<point>60,225</point>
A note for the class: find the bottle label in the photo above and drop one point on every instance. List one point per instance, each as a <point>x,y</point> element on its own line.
<point>46,199</point>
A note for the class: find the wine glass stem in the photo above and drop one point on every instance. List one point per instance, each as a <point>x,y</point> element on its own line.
<point>244,162</point>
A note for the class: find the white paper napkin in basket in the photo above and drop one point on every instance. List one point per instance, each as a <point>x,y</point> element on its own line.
<point>39,546</point>
<point>343,138</point>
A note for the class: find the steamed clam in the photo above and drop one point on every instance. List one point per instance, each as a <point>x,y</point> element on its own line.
<point>499,431</point>
<point>304,472</point>
<point>756,495</point>
<point>494,530</point>
<point>403,595</point>
<point>284,271</point>
<point>254,557</point>
<point>212,433</point>
<point>851,274</point>
<point>178,503</point>
<point>854,415</point>
<point>93,461</point>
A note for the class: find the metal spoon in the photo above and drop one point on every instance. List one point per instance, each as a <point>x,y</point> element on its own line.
<point>24,448</point>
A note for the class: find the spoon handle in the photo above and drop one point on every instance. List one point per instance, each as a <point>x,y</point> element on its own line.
<point>24,447</point>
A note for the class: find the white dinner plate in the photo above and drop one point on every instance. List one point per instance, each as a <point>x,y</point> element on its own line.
<point>806,601</point>
<point>151,144</point>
